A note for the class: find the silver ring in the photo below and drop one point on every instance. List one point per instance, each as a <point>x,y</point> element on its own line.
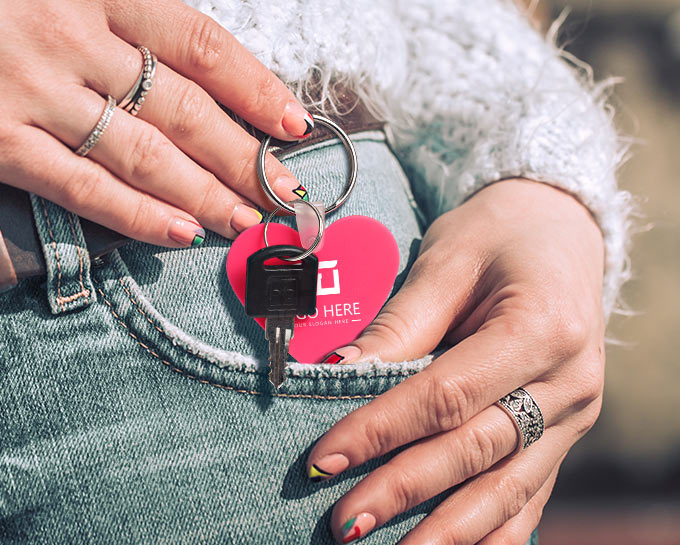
<point>127,99</point>
<point>99,128</point>
<point>525,414</point>
<point>309,251</point>
<point>351,179</point>
<point>145,81</point>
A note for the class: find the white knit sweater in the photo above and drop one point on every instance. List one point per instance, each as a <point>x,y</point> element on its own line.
<point>471,92</point>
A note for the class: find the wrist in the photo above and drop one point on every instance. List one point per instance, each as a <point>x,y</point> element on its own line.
<point>538,208</point>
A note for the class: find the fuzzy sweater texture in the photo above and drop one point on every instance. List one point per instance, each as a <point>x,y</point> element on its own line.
<point>471,93</point>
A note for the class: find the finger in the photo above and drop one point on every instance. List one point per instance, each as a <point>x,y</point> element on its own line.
<point>195,123</point>
<point>89,190</point>
<point>415,320</point>
<point>142,156</point>
<point>459,384</point>
<point>487,502</point>
<point>209,55</point>
<point>519,528</point>
<point>437,463</point>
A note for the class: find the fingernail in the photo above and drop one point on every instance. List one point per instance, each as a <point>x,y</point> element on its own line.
<point>328,466</point>
<point>186,233</point>
<point>290,189</point>
<point>297,121</point>
<point>244,217</point>
<point>357,527</point>
<point>343,355</point>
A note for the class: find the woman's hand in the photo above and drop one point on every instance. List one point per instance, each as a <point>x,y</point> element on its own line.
<point>182,161</point>
<point>512,278</point>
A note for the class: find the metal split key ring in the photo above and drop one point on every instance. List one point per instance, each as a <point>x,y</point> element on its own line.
<point>351,179</point>
<point>309,251</point>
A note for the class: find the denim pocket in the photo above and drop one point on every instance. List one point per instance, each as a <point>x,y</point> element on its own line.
<point>218,397</point>
<point>135,420</point>
<point>185,298</point>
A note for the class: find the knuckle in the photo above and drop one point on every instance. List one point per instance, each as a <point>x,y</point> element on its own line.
<point>534,511</point>
<point>588,418</point>
<point>79,189</point>
<point>139,219</point>
<point>562,322</point>
<point>570,332</point>
<point>190,113</point>
<point>243,172</point>
<point>264,93</point>
<point>211,198</point>
<point>446,403</point>
<point>514,495</point>
<point>478,450</point>
<point>387,327</point>
<point>403,489</point>
<point>377,433</point>
<point>204,44</point>
<point>148,153</point>
<point>592,384</point>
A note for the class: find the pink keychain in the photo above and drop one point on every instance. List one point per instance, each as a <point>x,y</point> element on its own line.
<point>358,261</point>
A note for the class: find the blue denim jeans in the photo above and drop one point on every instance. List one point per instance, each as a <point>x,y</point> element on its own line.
<point>135,403</point>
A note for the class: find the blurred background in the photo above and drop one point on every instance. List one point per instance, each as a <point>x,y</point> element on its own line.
<point>620,485</point>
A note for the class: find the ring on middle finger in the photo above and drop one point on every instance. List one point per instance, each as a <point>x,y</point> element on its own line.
<point>135,97</point>
<point>526,415</point>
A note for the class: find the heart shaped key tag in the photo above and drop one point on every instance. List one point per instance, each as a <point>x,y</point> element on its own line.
<point>357,267</point>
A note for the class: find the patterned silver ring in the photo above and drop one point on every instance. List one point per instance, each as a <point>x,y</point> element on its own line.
<point>99,128</point>
<point>135,98</point>
<point>525,414</point>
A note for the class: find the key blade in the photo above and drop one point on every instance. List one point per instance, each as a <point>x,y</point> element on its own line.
<point>279,332</point>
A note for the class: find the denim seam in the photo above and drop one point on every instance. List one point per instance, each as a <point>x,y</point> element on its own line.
<point>167,336</point>
<point>184,347</point>
<point>204,381</point>
<point>62,300</point>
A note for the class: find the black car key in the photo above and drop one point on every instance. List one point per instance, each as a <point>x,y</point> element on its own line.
<point>279,293</point>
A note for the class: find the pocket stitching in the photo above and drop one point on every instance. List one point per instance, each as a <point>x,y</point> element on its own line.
<point>184,347</point>
<point>204,381</point>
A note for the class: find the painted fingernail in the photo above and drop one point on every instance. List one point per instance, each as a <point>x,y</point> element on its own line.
<point>290,189</point>
<point>297,121</point>
<point>187,233</point>
<point>244,217</point>
<point>345,354</point>
<point>357,527</point>
<point>327,467</point>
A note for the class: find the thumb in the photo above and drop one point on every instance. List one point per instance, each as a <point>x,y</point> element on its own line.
<point>414,321</point>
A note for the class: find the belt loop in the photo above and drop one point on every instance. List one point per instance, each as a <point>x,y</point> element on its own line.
<point>69,286</point>
<point>8,277</point>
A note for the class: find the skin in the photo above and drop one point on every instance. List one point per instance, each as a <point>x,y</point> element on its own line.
<point>512,279</point>
<point>182,157</point>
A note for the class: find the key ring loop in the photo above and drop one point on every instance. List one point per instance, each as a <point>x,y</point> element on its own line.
<point>317,240</point>
<point>351,179</point>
